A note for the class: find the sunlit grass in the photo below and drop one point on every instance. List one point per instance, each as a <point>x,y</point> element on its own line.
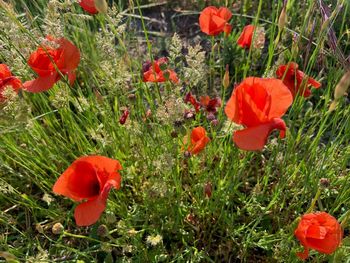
<point>256,198</point>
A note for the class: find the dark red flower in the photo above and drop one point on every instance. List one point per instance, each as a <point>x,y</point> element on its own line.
<point>258,104</point>
<point>7,80</point>
<point>44,61</point>
<point>213,21</point>
<point>124,117</point>
<point>296,80</point>
<point>88,6</point>
<point>319,231</point>
<point>189,98</point>
<point>198,140</point>
<point>210,105</point>
<point>246,37</point>
<point>153,72</point>
<point>89,178</point>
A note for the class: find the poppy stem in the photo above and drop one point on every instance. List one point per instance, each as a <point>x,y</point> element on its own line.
<point>314,200</point>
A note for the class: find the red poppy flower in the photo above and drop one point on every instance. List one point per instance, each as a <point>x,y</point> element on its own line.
<point>213,21</point>
<point>44,61</point>
<point>152,72</point>
<point>319,231</point>
<point>296,80</point>
<point>89,178</point>
<point>88,6</point>
<point>7,80</point>
<point>258,104</point>
<point>199,140</point>
<point>246,37</point>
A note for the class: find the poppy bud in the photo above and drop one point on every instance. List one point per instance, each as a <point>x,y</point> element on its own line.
<point>226,79</point>
<point>208,187</point>
<point>101,6</point>
<point>39,228</point>
<point>174,134</point>
<point>57,229</point>
<point>102,231</point>
<point>187,154</point>
<point>124,116</point>
<point>131,96</point>
<point>340,90</point>
<point>282,19</point>
<point>214,122</point>
<point>324,182</point>
<point>210,116</point>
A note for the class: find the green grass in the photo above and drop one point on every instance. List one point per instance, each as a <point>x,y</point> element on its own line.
<point>257,197</point>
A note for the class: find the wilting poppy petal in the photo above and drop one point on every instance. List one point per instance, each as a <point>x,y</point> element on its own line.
<point>41,83</point>
<point>246,37</point>
<point>255,138</point>
<point>88,6</point>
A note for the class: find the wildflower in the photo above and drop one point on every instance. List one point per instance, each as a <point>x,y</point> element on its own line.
<point>153,72</point>
<point>296,80</point>
<point>189,98</point>
<point>213,21</point>
<point>58,53</point>
<point>7,80</point>
<point>154,240</point>
<point>57,229</point>
<point>89,178</point>
<point>258,104</point>
<point>319,231</point>
<point>199,140</point>
<point>124,117</point>
<point>210,105</point>
<point>246,37</point>
<point>88,6</point>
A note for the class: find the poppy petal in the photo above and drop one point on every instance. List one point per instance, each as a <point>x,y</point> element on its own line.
<point>41,83</point>
<point>88,6</point>
<point>283,98</point>
<point>89,212</point>
<point>255,138</point>
<point>225,13</point>
<point>70,55</point>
